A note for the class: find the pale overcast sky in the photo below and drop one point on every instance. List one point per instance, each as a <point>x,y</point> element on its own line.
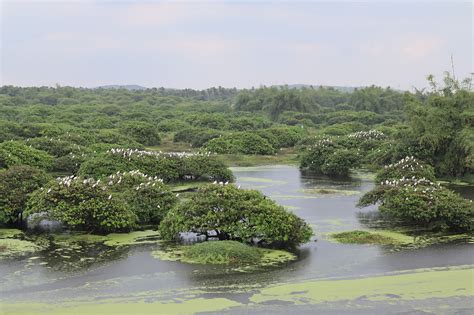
<point>200,44</point>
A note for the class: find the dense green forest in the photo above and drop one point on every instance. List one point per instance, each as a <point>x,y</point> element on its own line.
<point>105,145</point>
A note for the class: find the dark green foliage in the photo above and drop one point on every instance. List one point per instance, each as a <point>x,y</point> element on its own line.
<point>328,158</point>
<point>172,125</point>
<point>147,197</point>
<point>248,123</point>
<point>16,183</point>
<point>408,167</point>
<point>196,137</point>
<point>376,99</point>
<point>68,156</point>
<point>113,137</point>
<point>141,132</point>
<point>240,143</point>
<point>343,129</point>
<point>231,213</point>
<point>82,204</point>
<point>441,126</point>
<point>211,121</point>
<point>345,116</point>
<point>282,137</point>
<point>423,203</point>
<point>166,166</point>
<point>17,153</point>
<point>222,252</point>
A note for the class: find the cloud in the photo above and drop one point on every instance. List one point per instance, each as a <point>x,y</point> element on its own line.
<point>409,47</point>
<point>417,48</point>
<point>194,45</point>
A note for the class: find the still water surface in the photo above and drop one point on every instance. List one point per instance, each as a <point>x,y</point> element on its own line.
<point>95,272</point>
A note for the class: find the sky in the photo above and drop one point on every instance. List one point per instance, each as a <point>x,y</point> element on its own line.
<point>197,44</point>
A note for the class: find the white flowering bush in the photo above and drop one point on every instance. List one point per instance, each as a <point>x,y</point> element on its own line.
<point>82,204</point>
<point>328,158</point>
<point>421,202</point>
<point>148,197</point>
<point>170,166</point>
<point>406,167</point>
<point>130,198</point>
<point>367,135</point>
<point>68,156</point>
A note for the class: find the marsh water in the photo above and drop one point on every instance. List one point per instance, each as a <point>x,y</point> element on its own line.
<point>96,273</point>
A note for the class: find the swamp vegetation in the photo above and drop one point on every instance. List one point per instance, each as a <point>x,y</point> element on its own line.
<point>129,196</point>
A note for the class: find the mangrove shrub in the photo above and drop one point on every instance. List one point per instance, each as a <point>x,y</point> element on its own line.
<point>230,213</point>
<point>16,183</point>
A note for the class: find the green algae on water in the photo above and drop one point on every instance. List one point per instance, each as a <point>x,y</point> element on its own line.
<point>132,238</point>
<point>8,233</point>
<point>273,257</point>
<point>329,191</point>
<point>10,247</point>
<point>424,284</point>
<point>112,306</point>
<point>371,237</point>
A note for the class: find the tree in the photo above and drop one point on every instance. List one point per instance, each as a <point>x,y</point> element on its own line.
<point>240,143</point>
<point>231,213</point>
<point>142,132</point>
<point>16,183</point>
<point>16,153</point>
<point>441,123</point>
<point>422,203</point>
<point>82,204</point>
<point>327,157</point>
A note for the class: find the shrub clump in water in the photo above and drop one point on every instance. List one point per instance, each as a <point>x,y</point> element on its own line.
<point>362,237</point>
<point>221,252</point>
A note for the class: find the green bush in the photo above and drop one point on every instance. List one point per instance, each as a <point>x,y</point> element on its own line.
<point>16,183</point>
<point>230,213</point>
<point>248,123</point>
<point>364,140</point>
<point>282,137</point>
<point>207,120</point>
<point>147,197</point>
<point>15,153</point>
<point>222,252</point>
<point>54,146</point>
<point>167,125</point>
<point>327,158</point>
<point>343,129</point>
<point>67,156</point>
<point>240,143</point>
<point>115,138</point>
<point>142,132</point>
<point>423,203</point>
<point>167,166</point>
<point>82,204</point>
<point>408,167</point>
<point>196,137</point>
